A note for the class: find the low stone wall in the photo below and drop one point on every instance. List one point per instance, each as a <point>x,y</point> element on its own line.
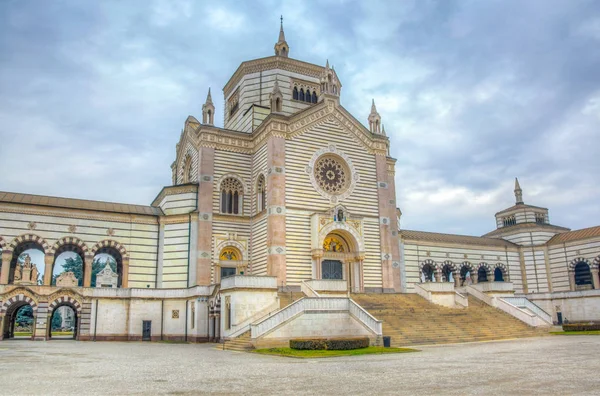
<point>575,306</point>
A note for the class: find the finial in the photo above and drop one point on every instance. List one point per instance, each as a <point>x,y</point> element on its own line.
<point>382,129</point>
<point>518,192</point>
<point>373,108</point>
<point>209,97</point>
<point>281,33</point>
<point>327,64</point>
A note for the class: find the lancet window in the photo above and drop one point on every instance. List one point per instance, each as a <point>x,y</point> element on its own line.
<point>232,194</point>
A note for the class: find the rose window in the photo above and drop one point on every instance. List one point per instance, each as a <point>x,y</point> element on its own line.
<point>332,175</point>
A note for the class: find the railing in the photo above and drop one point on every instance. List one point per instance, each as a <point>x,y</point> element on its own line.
<point>365,318</point>
<point>461,299</point>
<point>524,316</point>
<point>262,327</point>
<point>306,288</point>
<point>480,295</point>
<point>494,286</point>
<point>242,327</point>
<point>329,285</point>
<point>522,302</point>
<point>249,282</point>
<point>426,294</point>
<point>437,287</point>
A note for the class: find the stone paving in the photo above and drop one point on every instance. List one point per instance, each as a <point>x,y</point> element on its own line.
<point>561,365</point>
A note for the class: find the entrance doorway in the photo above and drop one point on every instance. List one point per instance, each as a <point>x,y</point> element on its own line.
<point>21,323</point>
<point>63,323</point>
<point>146,330</point>
<point>332,269</point>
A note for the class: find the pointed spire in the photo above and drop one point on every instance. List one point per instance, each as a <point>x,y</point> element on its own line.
<point>209,97</point>
<point>281,47</point>
<point>518,192</point>
<point>374,119</point>
<point>327,64</point>
<point>281,33</point>
<point>383,129</point>
<point>373,108</point>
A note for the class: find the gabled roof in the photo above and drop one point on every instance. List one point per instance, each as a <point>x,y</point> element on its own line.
<point>575,235</point>
<point>526,227</point>
<point>81,204</point>
<point>453,238</point>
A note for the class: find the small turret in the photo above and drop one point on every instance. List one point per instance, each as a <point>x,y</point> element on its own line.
<point>374,119</point>
<point>276,99</point>
<point>330,84</point>
<point>208,110</point>
<point>518,192</point>
<point>281,47</point>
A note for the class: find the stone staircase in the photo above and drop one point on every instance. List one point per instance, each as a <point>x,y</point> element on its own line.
<point>286,298</point>
<point>241,343</point>
<point>411,320</point>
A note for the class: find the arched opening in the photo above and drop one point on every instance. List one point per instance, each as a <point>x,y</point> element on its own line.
<point>498,275</point>
<point>22,323</point>
<point>27,266</point>
<point>19,320</point>
<point>465,276</point>
<point>314,97</point>
<point>232,194</point>
<point>187,169</point>
<point>427,273</point>
<point>261,194</point>
<point>68,258</point>
<point>295,93</point>
<point>448,273</point>
<point>301,95</point>
<point>278,105</point>
<point>230,262</point>
<point>482,275</point>
<point>583,274</point>
<point>108,255</point>
<point>341,259</point>
<point>210,117</point>
<point>63,322</point>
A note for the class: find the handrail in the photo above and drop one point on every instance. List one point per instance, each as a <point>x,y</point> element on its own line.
<point>460,299</point>
<point>421,291</point>
<point>265,325</point>
<point>523,302</point>
<point>308,290</point>
<point>480,295</point>
<point>522,315</point>
<point>244,325</point>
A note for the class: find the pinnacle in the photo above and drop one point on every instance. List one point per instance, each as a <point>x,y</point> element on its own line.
<point>373,108</point>
<point>209,97</point>
<point>281,33</point>
<point>517,186</point>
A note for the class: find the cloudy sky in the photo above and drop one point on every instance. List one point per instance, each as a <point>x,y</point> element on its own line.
<point>93,95</point>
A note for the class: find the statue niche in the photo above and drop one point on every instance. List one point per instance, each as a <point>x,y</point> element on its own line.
<point>26,273</point>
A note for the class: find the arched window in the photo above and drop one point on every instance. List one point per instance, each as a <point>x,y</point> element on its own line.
<point>427,273</point>
<point>482,275</point>
<point>583,275</point>
<point>295,93</point>
<point>308,96</point>
<point>314,97</point>
<point>232,194</point>
<point>278,105</point>
<point>261,194</point>
<point>301,96</point>
<point>498,275</point>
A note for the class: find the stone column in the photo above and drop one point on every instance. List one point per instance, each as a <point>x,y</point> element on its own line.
<point>125,274</point>
<point>49,263</point>
<point>317,255</point>
<point>388,224</point>
<point>438,276</point>
<point>276,232</point>
<point>87,270</point>
<point>474,276</point>
<point>572,279</point>
<point>456,276</point>
<point>206,189</point>
<point>596,278</point>
<point>5,271</point>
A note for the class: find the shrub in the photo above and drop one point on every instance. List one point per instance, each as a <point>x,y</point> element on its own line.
<point>331,344</point>
<point>581,326</point>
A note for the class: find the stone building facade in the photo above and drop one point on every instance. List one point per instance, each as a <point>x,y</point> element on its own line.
<point>293,189</point>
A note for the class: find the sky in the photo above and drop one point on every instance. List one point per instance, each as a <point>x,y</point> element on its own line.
<point>93,95</point>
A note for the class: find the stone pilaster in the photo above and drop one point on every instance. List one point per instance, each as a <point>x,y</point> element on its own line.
<point>125,275</point>
<point>276,233</point>
<point>572,279</point>
<point>5,271</point>
<point>595,278</point>
<point>87,270</point>
<point>388,224</point>
<point>204,232</point>
<point>48,263</point>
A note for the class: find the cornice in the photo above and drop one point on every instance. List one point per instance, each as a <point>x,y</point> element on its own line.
<point>39,210</point>
<point>173,190</point>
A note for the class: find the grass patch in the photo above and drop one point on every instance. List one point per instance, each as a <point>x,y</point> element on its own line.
<point>587,332</point>
<point>372,350</point>
<point>23,334</point>
<point>62,333</point>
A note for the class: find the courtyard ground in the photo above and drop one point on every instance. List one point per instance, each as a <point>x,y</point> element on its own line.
<point>555,365</point>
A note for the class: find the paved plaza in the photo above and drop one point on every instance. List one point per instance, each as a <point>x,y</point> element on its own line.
<point>564,365</point>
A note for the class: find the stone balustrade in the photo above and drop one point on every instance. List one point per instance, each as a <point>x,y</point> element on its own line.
<point>249,282</point>
<point>487,287</point>
<point>328,285</point>
<point>102,292</point>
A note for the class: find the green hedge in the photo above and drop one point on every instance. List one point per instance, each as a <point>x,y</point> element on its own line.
<point>581,326</point>
<point>339,344</point>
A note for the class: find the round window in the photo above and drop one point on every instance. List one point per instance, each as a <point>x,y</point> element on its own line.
<point>332,174</point>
